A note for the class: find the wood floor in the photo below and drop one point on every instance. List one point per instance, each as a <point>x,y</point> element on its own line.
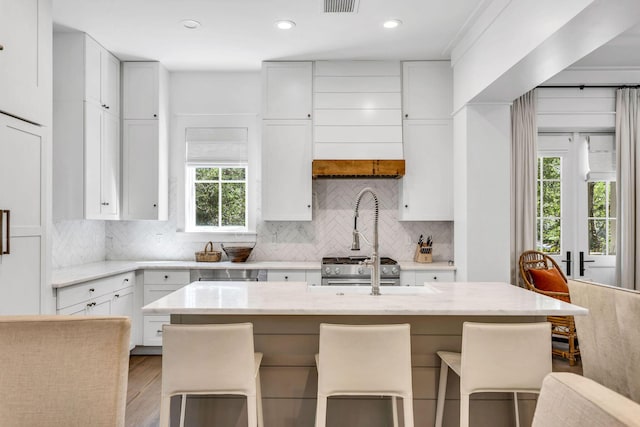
<point>143,394</point>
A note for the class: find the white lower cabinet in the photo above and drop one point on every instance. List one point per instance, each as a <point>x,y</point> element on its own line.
<point>420,277</point>
<point>109,296</point>
<point>286,276</point>
<point>157,284</point>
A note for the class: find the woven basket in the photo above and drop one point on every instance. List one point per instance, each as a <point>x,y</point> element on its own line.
<point>208,255</point>
<point>237,253</point>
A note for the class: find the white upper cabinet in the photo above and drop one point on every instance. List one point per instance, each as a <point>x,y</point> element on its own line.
<point>102,77</point>
<point>426,190</point>
<point>145,141</point>
<point>427,90</point>
<point>287,90</point>
<point>140,90</point>
<point>86,131</point>
<point>25,59</point>
<point>286,170</point>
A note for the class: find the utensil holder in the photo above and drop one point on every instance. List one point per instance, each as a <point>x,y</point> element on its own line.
<point>423,254</point>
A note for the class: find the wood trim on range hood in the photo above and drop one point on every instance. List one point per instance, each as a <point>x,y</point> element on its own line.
<point>358,168</point>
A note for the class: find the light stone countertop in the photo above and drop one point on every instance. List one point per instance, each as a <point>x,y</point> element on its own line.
<point>296,298</point>
<point>69,276</point>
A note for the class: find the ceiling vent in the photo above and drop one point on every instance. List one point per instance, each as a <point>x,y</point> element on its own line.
<point>341,6</point>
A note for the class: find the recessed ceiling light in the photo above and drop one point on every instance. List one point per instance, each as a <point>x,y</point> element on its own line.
<point>285,25</point>
<point>190,24</point>
<point>392,23</point>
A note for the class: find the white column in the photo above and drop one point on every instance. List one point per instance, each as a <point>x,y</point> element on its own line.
<point>482,135</point>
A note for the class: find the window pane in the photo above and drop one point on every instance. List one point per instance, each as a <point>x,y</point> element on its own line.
<point>207,204</point>
<point>612,200</point>
<point>207,174</point>
<point>233,204</point>
<point>597,199</point>
<point>538,201</point>
<point>232,173</point>
<point>597,237</point>
<point>551,199</point>
<point>551,236</point>
<point>551,168</point>
<point>612,237</point>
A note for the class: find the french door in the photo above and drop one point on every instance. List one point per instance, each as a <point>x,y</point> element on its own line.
<point>576,204</point>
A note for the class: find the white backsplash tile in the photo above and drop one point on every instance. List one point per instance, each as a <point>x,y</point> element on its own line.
<point>77,242</point>
<point>329,234</point>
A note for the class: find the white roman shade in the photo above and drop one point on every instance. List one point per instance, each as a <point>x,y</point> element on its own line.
<point>217,145</point>
<point>602,157</point>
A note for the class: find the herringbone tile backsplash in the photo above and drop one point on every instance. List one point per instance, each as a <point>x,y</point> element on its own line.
<point>329,234</point>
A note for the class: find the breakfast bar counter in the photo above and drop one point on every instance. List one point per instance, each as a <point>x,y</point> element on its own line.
<point>286,318</point>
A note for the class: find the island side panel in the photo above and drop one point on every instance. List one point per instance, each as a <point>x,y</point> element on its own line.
<point>289,377</point>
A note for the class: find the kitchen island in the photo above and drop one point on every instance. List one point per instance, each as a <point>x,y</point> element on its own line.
<point>286,318</point>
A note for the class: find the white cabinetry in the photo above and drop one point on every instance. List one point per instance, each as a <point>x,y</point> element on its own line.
<point>157,284</point>
<point>419,277</point>
<point>109,296</point>
<point>25,59</point>
<point>426,189</point>
<point>286,170</point>
<point>287,90</point>
<point>23,219</point>
<point>144,141</point>
<point>286,276</point>
<point>86,138</point>
<point>286,143</point>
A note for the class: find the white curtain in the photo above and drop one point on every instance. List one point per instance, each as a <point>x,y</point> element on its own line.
<point>628,157</point>
<point>524,156</point>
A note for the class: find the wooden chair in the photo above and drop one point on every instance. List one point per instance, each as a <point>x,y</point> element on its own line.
<point>561,326</point>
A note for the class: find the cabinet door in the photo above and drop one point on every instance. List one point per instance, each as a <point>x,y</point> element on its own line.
<point>287,90</point>
<point>140,169</point>
<point>92,71</point>
<point>122,302</point>
<point>21,178</point>
<point>286,276</point>
<point>110,82</point>
<point>110,166</point>
<point>427,90</point>
<point>25,56</point>
<point>140,87</point>
<point>92,163</point>
<point>286,169</point>
<point>423,277</point>
<point>427,186</point>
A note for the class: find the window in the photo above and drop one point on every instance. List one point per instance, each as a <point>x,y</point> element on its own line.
<point>216,179</point>
<point>549,204</point>
<point>602,217</point>
<point>218,197</point>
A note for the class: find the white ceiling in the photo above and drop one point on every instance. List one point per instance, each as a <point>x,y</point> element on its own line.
<point>623,51</point>
<point>239,34</point>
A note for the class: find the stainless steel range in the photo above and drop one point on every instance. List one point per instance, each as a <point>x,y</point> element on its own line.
<point>348,271</point>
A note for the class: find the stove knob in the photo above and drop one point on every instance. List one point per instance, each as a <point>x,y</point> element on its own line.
<point>385,270</point>
<point>337,270</point>
<point>394,270</point>
<point>360,270</point>
<point>327,270</point>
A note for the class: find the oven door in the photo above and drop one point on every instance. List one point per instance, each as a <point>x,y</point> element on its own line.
<point>336,281</point>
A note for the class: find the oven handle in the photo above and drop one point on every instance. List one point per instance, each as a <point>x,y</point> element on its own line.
<point>357,283</point>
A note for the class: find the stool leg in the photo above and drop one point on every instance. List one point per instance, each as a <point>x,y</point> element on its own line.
<point>259,400</point>
<point>515,404</point>
<point>442,391</point>
<point>165,403</point>
<point>321,411</point>
<point>407,404</point>
<point>464,410</point>
<point>183,408</point>
<point>394,410</point>
<point>252,411</point>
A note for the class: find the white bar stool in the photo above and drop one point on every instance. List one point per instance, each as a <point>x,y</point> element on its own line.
<point>210,359</point>
<point>365,360</point>
<point>496,357</point>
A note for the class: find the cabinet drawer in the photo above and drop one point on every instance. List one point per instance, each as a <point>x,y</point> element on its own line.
<point>286,276</point>
<point>152,333</point>
<point>434,276</point>
<point>95,306</point>
<point>155,292</point>
<point>82,292</point>
<point>166,277</point>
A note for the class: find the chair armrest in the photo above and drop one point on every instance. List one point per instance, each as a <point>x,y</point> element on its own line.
<point>552,294</point>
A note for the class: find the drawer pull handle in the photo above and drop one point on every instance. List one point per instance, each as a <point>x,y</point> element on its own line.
<point>89,305</point>
<point>92,290</point>
<point>126,280</point>
<point>286,277</point>
<point>435,277</point>
<point>166,277</point>
<point>159,331</point>
<point>117,295</point>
